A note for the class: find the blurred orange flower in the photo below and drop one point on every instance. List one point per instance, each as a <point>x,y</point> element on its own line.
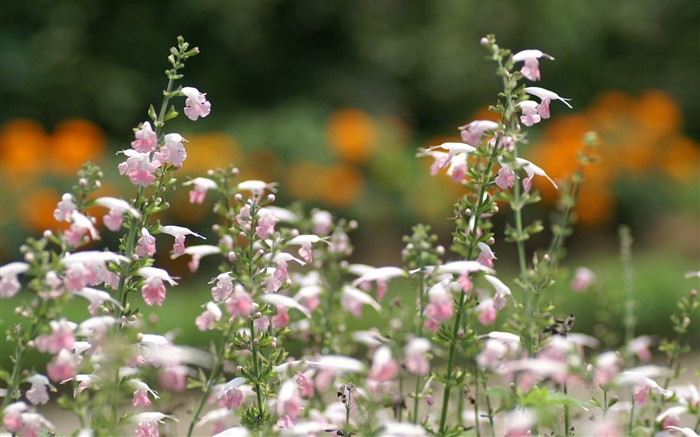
<point>208,151</point>
<point>352,135</point>
<point>35,212</point>
<point>639,139</point>
<point>74,142</point>
<point>23,147</point>
<point>341,184</point>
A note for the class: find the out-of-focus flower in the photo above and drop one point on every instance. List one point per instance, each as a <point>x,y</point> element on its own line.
<point>139,167</point>
<point>147,423</point>
<point>384,366</point>
<point>142,390</point>
<point>352,134</point>
<point>9,284</point>
<point>531,67</point>
<point>39,391</point>
<point>179,233</point>
<point>583,278</point>
<point>196,104</point>
<point>199,191</point>
<point>117,207</point>
<point>62,337</point>
<point>471,133</point>
<point>65,208</point>
<point>211,314</point>
<point>353,299</point>
<point>416,361</point>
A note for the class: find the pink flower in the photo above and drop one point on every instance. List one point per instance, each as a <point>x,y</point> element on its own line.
<point>607,428</point>
<point>146,140</point>
<point>223,288</point>
<point>61,337</point>
<point>416,360</point>
<point>266,225</point>
<point>146,244</point>
<point>9,284</point>
<point>140,397</point>
<point>153,291</point>
<point>289,401</point>
<point>440,307</point>
<point>113,220</point>
<point>39,391</point>
<point>384,366</point>
<point>471,133</point>
<point>199,191</point>
<point>173,151</point>
<point>281,319</point>
<point>505,178</point>
<point>148,423</point>
<point>174,377</point>
<point>179,233</point>
<point>139,167</point>
<point>305,242</point>
<point>12,416</point>
<point>206,320</point>
<point>546,97</point>
<point>79,225</point>
<point>487,312</point>
<point>499,299</point>
<point>65,208</point>
<point>231,395</point>
<point>532,170</point>
<point>240,303</point>
<point>197,252</point>
<point>486,256</point>
<point>322,222</point>
<point>196,104</point>
<point>583,278</point>
<point>353,299</point>
<point>640,347</point>
<point>531,69</point>
<point>96,298</point>
<point>63,366</point>
<point>530,115</point>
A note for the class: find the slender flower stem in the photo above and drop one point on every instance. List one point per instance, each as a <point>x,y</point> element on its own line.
<point>421,305</point>
<point>567,418</point>
<point>256,370</point>
<point>628,276</point>
<point>463,298</point>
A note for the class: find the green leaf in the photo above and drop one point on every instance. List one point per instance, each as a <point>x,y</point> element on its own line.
<point>152,113</point>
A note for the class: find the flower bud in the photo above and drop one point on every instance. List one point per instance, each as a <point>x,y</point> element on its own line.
<point>693,293</point>
<point>29,257</point>
<point>48,234</point>
<point>440,250</point>
<point>256,342</point>
<point>98,184</point>
<point>490,241</point>
<point>232,256</point>
<point>238,197</point>
<point>239,369</point>
<point>429,400</point>
<point>210,172</point>
<point>235,171</point>
<point>82,182</point>
<point>484,41</point>
<point>271,198</point>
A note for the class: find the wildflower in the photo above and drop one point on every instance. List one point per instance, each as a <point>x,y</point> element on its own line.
<point>439,159</point>
<point>141,392</point>
<point>206,320</point>
<point>197,252</point>
<point>257,188</point>
<point>492,355</point>
<point>545,97</point>
<point>402,429</point>
<point>146,244</point>
<point>452,150</point>
<point>281,301</point>
<point>9,284</point>
<point>471,133</point>
<point>583,278</point>
<point>179,233</point>
<point>305,242</point>
<point>153,290</point>
<point>174,377</point>
<point>308,295</point>
<point>79,225</point>
<point>289,401</point>
<point>519,423</point>
<point>640,347</point>
<point>231,395</point>
<point>642,385</point>
<point>281,319</point>
<point>687,432</point>
<point>139,167</point>
<point>65,208</point>
<point>321,222</point>
<point>62,337</point>
<point>532,170</point>
<point>146,140</point>
<point>96,298</point>
<point>148,423</point>
<point>530,115</point>
<point>486,256</point>
<point>440,307</point>
<point>12,416</point>
<point>39,391</point>
<point>380,275</point>
<point>240,303</point>
<point>486,311</point>
<point>505,178</point>
<point>113,220</point>
<point>266,224</point>
<point>499,300</point>
<point>173,151</point>
<point>353,299</point>
<point>531,67</point>
<point>199,191</point>
<point>196,104</point>
<point>416,361</point>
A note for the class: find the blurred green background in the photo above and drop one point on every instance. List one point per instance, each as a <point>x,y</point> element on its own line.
<point>331,98</point>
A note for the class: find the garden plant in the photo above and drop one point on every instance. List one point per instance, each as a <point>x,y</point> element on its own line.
<point>286,357</point>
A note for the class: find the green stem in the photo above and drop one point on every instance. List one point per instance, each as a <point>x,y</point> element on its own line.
<point>463,296</point>
<point>256,370</point>
<point>421,300</point>
<point>631,424</point>
<point>628,276</point>
<point>566,414</point>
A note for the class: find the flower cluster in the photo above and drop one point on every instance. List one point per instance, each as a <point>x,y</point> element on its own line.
<point>288,354</point>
